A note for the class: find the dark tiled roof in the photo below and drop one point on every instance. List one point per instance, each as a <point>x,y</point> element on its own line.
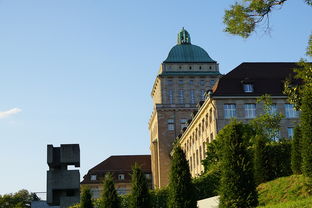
<point>121,164</point>
<point>266,78</point>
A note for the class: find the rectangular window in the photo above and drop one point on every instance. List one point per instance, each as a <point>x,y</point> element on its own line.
<point>273,109</point>
<point>169,82</point>
<point>191,82</point>
<point>290,131</point>
<point>250,110</point>
<point>290,111</point>
<point>202,82</point>
<point>170,124</point>
<point>212,82</point>
<point>183,122</point>
<point>229,110</point>
<point>170,94</point>
<point>192,96</point>
<point>248,88</point>
<point>93,178</point>
<point>121,177</point>
<point>180,81</point>
<point>202,94</point>
<point>181,96</point>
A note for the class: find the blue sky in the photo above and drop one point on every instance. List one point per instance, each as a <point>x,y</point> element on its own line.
<point>81,72</point>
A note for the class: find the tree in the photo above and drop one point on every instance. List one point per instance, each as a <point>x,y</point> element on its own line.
<point>296,159</point>
<point>20,199</point>
<point>181,190</point>
<point>268,123</point>
<point>306,130</point>
<point>243,17</point>
<point>237,187</point>
<point>86,198</point>
<point>259,159</point>
<point>109,196</point>
<point>139,193</point>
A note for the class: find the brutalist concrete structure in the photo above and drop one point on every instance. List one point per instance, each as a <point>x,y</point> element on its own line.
<point>63,185</point>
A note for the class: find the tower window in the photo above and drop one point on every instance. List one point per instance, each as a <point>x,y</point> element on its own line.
<point>181,96</point>
<point>190,67</point>
<point>192,96</point>
<point>170,93</point>
<point>248,88</point>
<point>170,124</point>
<point>200,67</point>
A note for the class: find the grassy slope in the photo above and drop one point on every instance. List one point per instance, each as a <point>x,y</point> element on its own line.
<point>285,192</point>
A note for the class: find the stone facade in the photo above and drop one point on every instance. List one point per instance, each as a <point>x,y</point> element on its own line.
<point>221,105</point>
<point>181,83</point>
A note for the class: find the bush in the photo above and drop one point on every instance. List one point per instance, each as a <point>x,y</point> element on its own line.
<point>86,198</point>
<point>159,198</point>
<point>109,196</point>
<point>259,160</point>
<point>277,156</point>
<point>207,185</point>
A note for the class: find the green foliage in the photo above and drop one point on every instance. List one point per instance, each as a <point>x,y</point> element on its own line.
<point>207,185</point>
<point>212,161</point>
<point>306,130</point>
<point>20,199</point>
<point>242,18</point>
<point>259,159</point>
<point>294,89</point>
<point>159,198</point>
<point>109,196</point>
<point>302,203</point>
<point>139,192</point>
<point>282,190</point>
<point>86,198</point>
<point>268,123</point>
<point>296,159</point>
<point>125,200</point>
<point>237,187</point>
<point>181,190</point>
<point>277,156</point>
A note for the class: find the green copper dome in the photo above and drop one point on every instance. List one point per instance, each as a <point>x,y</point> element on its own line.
<point>185,52</point>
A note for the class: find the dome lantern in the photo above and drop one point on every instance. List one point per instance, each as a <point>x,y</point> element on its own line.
<point>184,37</point>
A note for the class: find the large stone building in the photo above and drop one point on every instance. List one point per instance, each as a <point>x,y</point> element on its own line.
<point>235,96</point>
<point>120,167</point>
<point>181,83</point>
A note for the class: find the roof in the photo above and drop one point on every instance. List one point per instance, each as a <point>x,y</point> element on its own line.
<point>185,52</point>
<point>266,78</point>
<point>119,164</point>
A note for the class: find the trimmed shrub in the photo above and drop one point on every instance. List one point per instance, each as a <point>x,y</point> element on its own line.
<point>109,196</point>
<point>306,130</point>
<point>296,159</point>
<point>181,190</point>
<point>86,198</point>
<point>259,159</point>
<point>237,187</point>
<point>139,191</point>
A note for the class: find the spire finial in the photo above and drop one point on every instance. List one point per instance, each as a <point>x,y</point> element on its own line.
<point>184,37</point>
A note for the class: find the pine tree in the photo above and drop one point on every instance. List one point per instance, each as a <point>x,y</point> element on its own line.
<point>86,198</point>
<point>139,193</point>
<point>109,196</point>
<point>296,159</point>
<point>259,159</point>
<point>237,187</point>
<point>306,130</point>
<point>181,190</point>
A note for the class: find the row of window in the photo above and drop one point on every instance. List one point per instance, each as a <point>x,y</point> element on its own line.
<point>250,110</point>
<point>181,93</point>
<point>191,82</point>
<point>190,67</point>
<point>120,177</point>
